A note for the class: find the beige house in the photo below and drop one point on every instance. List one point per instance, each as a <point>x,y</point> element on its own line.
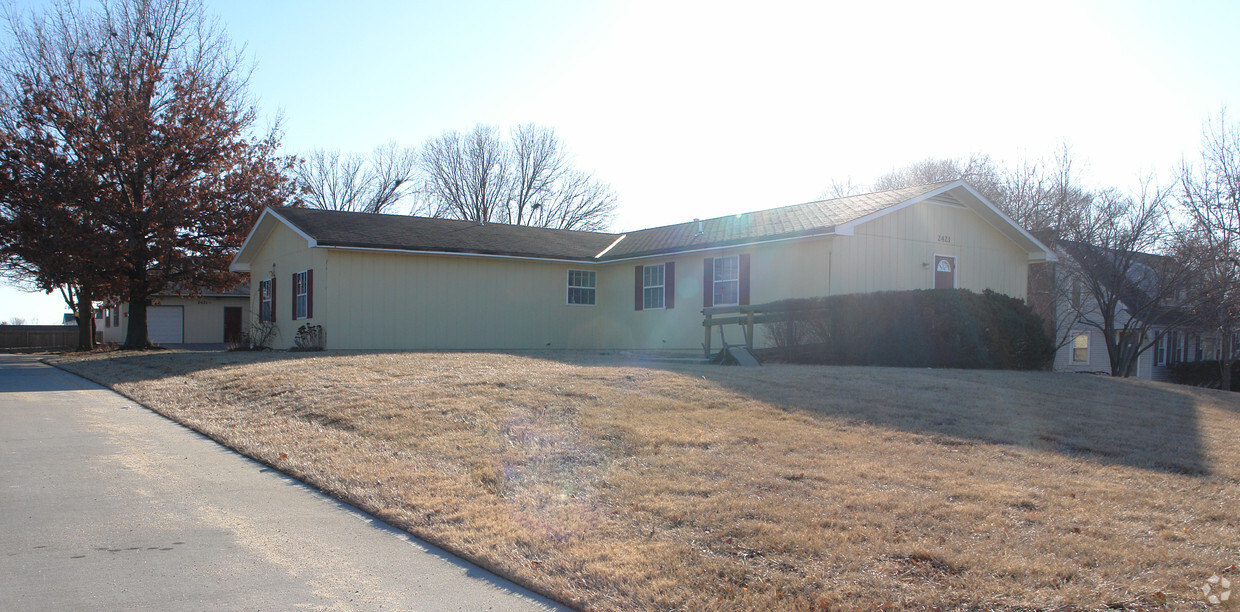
<point>210,318</point>
<point>396,282</point>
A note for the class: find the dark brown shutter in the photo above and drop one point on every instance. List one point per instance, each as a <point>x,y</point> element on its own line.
<point>669,284</point>
<point>293,292</point>
<point>708,282</point>
<point>309,293</point>
<point>743,260</point>
<point>639,284</point>
<point>273,300</point>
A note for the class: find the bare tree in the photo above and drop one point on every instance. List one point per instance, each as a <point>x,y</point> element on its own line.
<point>331,180</point>
<point>1128,294</point>
<point>466,176</point>
<point>1043,196</point>
<point>979,170</point>
<point>528,180</point>
<point>1209,237</point>
<point>842,189</point>
<point>548,192</point>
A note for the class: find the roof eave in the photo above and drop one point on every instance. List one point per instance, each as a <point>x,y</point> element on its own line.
<point>258,235</point>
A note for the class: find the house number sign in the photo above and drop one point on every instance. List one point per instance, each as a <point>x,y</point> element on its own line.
<point>945,238</point>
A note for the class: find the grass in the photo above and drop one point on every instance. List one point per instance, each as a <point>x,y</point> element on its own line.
<point>614,485</point>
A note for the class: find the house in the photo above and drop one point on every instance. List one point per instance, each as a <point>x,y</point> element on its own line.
<point>174,317</point>
<point>396,282</point>
<point>1152,295</point>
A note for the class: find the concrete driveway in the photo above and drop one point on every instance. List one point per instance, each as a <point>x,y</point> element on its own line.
<point>107,505</point>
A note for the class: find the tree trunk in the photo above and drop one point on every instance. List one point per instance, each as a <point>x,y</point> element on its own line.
<point>85,319</point>
<point>136,338</point>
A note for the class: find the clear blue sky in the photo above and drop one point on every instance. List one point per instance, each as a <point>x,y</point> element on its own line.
<point>704,109</point>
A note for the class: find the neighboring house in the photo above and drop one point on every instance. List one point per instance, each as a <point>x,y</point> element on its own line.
<point>175,318</point>
<point>1143,290</point>
<point>396,282</point>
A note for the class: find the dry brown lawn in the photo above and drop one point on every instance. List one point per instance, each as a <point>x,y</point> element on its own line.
<point>613,484</point>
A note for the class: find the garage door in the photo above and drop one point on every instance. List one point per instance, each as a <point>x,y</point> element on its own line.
<point>164,324</point>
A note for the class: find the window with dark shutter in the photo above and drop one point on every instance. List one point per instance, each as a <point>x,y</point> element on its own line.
<point>708,282</point>
<point>669,284</point>
<point>266,300</point>
<point>638,285</point>
<point>743,279</point>
<point>301,295</point>
<point>652,287</point>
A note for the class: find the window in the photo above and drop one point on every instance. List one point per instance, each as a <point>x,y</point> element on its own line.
<point>1076,293</point>
<point>1209,347</point>
<point>581,287</point>
<point>1080,348</point>
<point>1160,351</point>
<point>725,281</point>
<point>652,287</point>
<point>266,299</point>
<point>727,285</point>
<point>301,295</point>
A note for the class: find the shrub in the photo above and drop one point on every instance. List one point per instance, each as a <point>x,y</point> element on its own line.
<point>257,338</point>
<point>1204,374</point>
<point>940,328</point>
<point>310,338</point>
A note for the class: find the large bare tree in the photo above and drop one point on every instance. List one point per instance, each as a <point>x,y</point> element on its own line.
<point>978,169</point>
<point>526,180</point>
<point>331,180</point>
<point>1131,296</point>
<point>1208,237</point>
<point>143,104</point>
<point>466,176</point>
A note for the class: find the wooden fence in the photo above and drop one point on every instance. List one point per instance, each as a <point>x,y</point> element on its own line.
<point>39,337</point>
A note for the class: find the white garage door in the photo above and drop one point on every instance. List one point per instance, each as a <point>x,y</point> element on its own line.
<point>164,324</point>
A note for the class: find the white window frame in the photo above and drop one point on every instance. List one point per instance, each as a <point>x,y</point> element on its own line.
<point>1209,348</point>
<point>583,289</point>
<point>1160,351</point>
<point>266,302</point>
<point>724,281</point>
<point>1075,348</point>
<point>301,295</point>
<point>649,290</point>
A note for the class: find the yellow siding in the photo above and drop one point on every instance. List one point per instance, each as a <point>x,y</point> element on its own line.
<point>778,270</point>
<point>281,255</point>
<point>381,300</point>
<point>203,321</point>
<point>392,300</point>
<point>895,252</point>
<point>202,318</point>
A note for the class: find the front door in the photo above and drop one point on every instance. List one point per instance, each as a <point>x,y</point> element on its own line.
<point>944,272</point>
<point>232,324</point>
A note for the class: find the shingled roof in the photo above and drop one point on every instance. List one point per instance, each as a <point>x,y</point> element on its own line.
<point>347,230</point>
<point>807,219</point>
<point>329,228</point>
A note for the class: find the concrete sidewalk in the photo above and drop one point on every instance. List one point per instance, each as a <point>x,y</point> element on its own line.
<point>106,505</point>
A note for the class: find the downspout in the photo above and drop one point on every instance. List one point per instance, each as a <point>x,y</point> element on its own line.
<point>830,273</point>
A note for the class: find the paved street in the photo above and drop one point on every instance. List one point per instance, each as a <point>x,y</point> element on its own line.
<point>106,505</point>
